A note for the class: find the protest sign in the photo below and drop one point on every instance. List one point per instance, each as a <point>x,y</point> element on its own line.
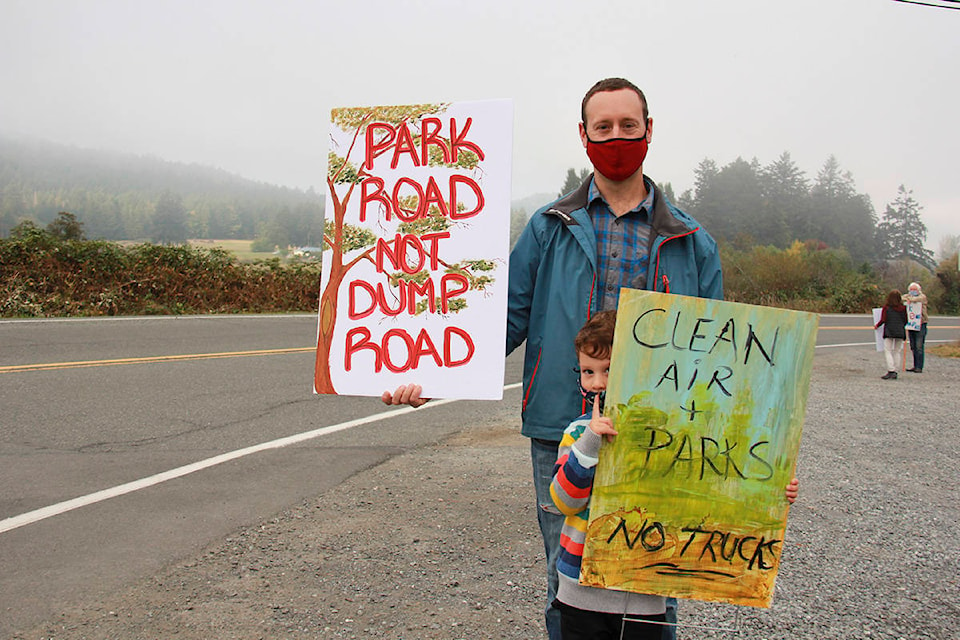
<point>914,316</point>
<point>708,399</point>
<point>416,240</point>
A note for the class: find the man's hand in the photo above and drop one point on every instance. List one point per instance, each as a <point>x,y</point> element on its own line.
<point>793,490</point>
<point>405,394</point>
<point>601,425</point>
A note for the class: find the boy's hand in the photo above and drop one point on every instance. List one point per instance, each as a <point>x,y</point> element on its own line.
<point>405,394</point>
<point>601,425</point>
<point>793,490</point>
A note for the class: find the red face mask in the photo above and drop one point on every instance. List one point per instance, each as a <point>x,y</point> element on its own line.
<point>619,158</point>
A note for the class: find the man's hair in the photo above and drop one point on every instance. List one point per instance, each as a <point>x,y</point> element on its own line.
<point>595,338</point>
<point>612,84</point>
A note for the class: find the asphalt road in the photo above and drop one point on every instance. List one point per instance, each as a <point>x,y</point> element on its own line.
<point>91,406</point>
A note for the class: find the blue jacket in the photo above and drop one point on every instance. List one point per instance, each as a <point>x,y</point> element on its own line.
<point>553,290</point>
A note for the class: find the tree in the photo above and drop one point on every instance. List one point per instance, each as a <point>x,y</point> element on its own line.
<point>839,215</point>
<point>66,227</point>
<point>902,232</point>
<point>784,189</point>
<point>169,220</point>
<point>350,244</point>
<point>573,180</point>
<point>949,246</point>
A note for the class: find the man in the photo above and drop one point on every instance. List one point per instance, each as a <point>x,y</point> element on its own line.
<point>616,230</point>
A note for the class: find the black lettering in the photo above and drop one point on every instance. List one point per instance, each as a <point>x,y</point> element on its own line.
<point>719,380</point>
<point>636,337</point>
<point>762,461</point>
<point>752,339</point>
<point>695,336</point>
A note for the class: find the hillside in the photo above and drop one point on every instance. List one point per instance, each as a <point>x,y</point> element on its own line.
<point>115,195</point>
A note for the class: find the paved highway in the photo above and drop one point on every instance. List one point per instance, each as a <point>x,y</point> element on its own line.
<point>128,443</point>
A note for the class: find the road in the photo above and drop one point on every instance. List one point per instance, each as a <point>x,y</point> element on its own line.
<point>96,411</point>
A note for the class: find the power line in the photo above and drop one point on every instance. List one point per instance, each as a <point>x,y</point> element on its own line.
<point>939,4</point>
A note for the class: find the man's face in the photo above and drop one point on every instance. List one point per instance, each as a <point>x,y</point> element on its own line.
<point>615,114</point>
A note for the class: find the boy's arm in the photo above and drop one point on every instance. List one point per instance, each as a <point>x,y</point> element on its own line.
<point>576,465</point>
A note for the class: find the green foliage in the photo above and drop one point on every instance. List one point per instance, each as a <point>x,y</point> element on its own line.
<point>902,233</point>
<point>45,276</point>
<point>948,276</point>
<point>803,277</point>
<point>66,227</point>
<point>573,180</point>
<point>774,205</point>
<point>354,237</point>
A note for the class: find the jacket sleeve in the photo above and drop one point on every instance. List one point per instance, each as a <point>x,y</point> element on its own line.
<point>576,465</point>
<point>524,262</point>
<point>709,271</point>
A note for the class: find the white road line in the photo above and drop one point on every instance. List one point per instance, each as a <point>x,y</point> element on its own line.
<point>56,509</point>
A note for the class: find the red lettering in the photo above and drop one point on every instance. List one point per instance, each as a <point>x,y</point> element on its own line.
<point>384,248</point>
<point>374,149</point>
<point>434,240</point>
<point>425,290</point>
<point>377,195</point>
<point>445,294</point>
<point>402,253</point>
<point>424,347</point>
<point>407,341</point>
<point>352,312</point>
<point>455,214</point>
<point>429,137</point>
<point>457,141</point>
<point>353,347</point>
<point>447,346</point>
<point>408,215</point>
<point>404,145</point>
<point>434,196</point>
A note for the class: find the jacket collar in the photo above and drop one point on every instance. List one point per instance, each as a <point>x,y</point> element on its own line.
<point>663,222</point>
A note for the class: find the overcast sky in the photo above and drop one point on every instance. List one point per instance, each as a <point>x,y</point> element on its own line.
<point>247,86</point>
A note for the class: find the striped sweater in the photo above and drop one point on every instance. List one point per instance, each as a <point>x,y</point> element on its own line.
<point>570,489</point>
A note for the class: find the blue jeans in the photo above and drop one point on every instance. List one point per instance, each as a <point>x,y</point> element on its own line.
<point>917,338</point>
<point>543,454</point>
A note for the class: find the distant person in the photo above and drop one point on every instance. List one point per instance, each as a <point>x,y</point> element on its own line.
<point>594,613</point>
<point>893,317</point>
<point>917,338</point>
<point>616,230</point>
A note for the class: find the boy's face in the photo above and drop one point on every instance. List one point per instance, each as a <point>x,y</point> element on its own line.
<point>593,372</point>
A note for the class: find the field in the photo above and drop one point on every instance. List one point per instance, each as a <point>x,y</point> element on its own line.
<point>240,248</point>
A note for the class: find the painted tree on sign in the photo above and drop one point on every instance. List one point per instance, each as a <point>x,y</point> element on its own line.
<point>424,215</point>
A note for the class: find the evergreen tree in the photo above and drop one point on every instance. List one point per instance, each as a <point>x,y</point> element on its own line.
<point>169,220</point>
<point>902,232</point>
<point>785,201</point>
<point>573,180</point>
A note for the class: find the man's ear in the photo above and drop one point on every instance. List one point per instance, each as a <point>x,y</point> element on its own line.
<point>583,135</point>
<point>649,130</point>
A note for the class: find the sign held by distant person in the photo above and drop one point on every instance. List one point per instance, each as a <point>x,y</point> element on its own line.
<point>708,400</point>
<point>416,240</point>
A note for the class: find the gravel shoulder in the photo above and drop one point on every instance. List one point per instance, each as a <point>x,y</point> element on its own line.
<point>442,543</point>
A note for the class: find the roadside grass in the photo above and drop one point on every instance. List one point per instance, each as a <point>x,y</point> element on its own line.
<point>239,248</point>
<point>951,350</point>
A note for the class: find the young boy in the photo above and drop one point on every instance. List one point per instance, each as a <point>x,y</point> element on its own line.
<point>591,612</point>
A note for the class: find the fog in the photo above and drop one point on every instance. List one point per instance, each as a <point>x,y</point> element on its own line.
<point>248,86</point>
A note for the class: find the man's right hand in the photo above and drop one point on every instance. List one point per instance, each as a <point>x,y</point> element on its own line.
<point>405,394</point>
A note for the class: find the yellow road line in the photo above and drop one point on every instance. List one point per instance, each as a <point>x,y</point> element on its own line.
<point>108,363</point>
<point>870,328</point>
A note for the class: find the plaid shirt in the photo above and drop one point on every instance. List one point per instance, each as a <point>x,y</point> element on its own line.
<point>623,245</point>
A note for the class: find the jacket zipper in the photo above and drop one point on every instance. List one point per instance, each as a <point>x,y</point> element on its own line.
<point>666,281</point>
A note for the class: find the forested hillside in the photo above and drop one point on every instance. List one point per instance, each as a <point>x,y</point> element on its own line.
<point>116,196</point>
